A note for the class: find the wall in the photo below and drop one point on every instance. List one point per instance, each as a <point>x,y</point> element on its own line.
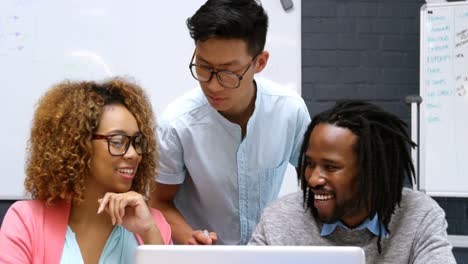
<point>29,46</point>
<point>368,50</point>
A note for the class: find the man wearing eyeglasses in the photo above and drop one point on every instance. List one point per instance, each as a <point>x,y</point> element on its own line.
<point>225,148</point>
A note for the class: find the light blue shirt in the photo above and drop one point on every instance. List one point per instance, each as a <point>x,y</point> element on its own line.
<point>226,180</point>
<point>371,225</point>
<point>120,247</point>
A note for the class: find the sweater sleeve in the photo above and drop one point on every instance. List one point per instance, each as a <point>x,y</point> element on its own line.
<point>15,237</point>
<point>431,243</point>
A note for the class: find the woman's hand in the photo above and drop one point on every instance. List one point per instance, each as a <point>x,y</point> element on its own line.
<point>130,210</point>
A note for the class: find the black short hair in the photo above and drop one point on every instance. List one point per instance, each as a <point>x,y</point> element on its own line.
<point>231,19</point>
<point>383,150</point>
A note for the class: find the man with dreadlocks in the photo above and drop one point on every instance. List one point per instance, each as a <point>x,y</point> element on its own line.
<point>352,167</point>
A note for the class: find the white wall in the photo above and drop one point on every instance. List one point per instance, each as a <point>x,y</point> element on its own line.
<point>45,41</point>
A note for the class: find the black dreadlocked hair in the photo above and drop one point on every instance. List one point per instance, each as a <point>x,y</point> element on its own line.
<point>383,156</point>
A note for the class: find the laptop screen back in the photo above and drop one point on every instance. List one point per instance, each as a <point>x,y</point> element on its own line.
<point>147,254</point>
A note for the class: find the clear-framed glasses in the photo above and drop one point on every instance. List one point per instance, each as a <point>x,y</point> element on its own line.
<point>227,79</point>
<point>118,144</point>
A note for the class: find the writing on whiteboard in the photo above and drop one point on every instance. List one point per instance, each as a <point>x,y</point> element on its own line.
<point>437,18</point>
<point>11,36</point>
<point>438,38</point>
<point>433,70</point>
<point>439,47</point>
<point>440,28</point>
<point>438,58</point>
<point>437,55</point>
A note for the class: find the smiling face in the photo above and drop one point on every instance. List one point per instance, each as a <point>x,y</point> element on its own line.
<point>332,172</point>
<point>230,55</point>
<point>113,173</point>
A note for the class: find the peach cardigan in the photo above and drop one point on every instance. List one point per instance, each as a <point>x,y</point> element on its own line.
<point>35,233</point>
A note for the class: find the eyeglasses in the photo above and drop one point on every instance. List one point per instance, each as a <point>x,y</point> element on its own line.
<point>227,79</point>
<point>118,144</point>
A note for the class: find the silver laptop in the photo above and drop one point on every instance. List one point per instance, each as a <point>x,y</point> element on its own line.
<point>176,254</point>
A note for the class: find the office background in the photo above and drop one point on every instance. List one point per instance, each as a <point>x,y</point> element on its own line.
<point>368,49</point>
<point>49,41</point>
<point>364,49</point>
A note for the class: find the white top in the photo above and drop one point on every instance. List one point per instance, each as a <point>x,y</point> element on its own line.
<point>119,248</point>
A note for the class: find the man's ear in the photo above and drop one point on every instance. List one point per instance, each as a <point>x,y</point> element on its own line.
<point>261,61</point>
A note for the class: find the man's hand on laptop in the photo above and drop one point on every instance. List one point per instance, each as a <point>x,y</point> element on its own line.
<point>203,237</point>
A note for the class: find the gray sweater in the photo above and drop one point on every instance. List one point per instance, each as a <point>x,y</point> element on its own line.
<point>417,231</point>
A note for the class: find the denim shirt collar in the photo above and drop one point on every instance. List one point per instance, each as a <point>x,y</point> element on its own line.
<point>371,225</point>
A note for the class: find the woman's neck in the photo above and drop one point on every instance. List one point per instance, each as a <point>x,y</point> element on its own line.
<point>85,213</point>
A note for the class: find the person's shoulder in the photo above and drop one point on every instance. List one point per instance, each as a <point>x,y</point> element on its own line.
<point>39,206</point>
<point>184,106</point>
<point>274,91</point>
<point>418,203</point>
<point>26,210</point>
<point>288,213</point>
<point>285,205</point>
<point>29,205</point>
<point>417,198</point>
<point>189,108</point>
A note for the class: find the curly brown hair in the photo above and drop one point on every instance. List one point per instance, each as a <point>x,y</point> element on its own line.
<point>59,149</point>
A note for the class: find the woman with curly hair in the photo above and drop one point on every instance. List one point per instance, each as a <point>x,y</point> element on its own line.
<point>91,157</point>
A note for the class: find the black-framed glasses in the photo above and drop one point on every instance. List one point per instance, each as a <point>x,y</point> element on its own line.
<point>227,79</point>
<point>118,144</point>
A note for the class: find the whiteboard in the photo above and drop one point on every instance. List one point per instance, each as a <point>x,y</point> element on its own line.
<point>45,41</point>
<point>444,108</point>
